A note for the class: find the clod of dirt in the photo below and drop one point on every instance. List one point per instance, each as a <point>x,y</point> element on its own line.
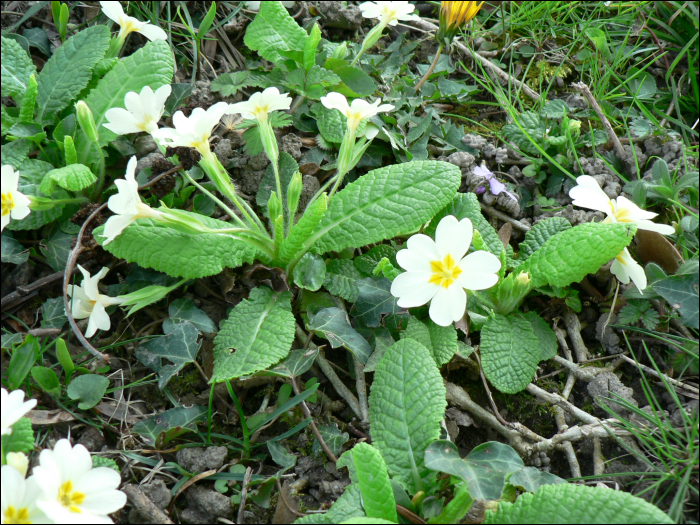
<point>291,144</point>
<point>188,156</point>
<point>205,506</point>
<point>326,483</point>
<point>224,151</point>
<point>92,439</point>
<point>309,189</point>
<point>158,492</point>
<point>145,145</point>
<point>248,172</point>
<point>335,15</point>
<point>610,340</point>
<point>604,389</point>
<point>201,459</point>
<point>202,96</point>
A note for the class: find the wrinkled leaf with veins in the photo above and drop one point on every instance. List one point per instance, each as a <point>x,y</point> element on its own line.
<point>440,340</point>
<point>333,324</point>
<point>341,275</point>
<point>22,437</point>
<point>539,234</point>
<point>178,347</point>
<point>375,486</point>
<point>274,30</point>
<point>484,470</point>
<point>16,68</point>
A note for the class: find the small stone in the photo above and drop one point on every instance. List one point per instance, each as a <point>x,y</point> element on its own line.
<point>145,145</point>
<point>291,144</point>
<point>92,439</point>
<point>157,492</point>
<point>201,459</point>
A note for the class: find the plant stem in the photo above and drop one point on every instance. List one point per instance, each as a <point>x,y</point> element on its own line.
<point>100,175</point>
<point>431,68</point>
<point>244,424</point>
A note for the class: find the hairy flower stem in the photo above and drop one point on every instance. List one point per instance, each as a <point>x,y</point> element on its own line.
<point>431,68</point>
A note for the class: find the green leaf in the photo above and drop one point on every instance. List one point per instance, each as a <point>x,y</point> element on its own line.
<point>532,478</point>
<point>88,389</point>
<point>311,46</point>
<point>331,124</point>
<point>260,329</point>
<point>466,205</point>
<point>26,111</point>
<point>681,292</point>
<point>599,39</point>
<point>75,177</point>
<point>367,262</point>
<point>303,230</point>
<point>310,272</point>
<point>540,233</point>
<point>440,340</point>
<point>32,172</point>
<point>47,379</point>
<point>99,461</point>
<point>152,244</point>
<point>68,71</point>
<point>16,68</point>
<point>64,357</point>
<point>334,325</point>
<point>458,506</point>
<point>53,313</point>
<point>341,275</point>
<point>347,507</point>
<point>22,360</point>
<point>375,486</point>
<point>15,153</point>
<point>359,82</point>
<point>22,437</point>
<point>373,300</point>
<point>230,83</point>
<point>274,30</point>
<point>170,423</point>
<point>556,108</point>
<point>533,126</point>
<point>484,470</point>
<point>12,251</point>
<point>152,65</point>
<point>405,408</point>
<point>568,503</point>
<point>57,247</point>
<point>183,309</point>
<point>643,85</point>
<point>179,346</point>
<point>385,203</point>
<point>178,95</point>
<point>510,352</point>
<point>545,335</point>
<point>569,256</point>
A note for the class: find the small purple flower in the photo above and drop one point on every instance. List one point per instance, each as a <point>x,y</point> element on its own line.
<point>497,187</point>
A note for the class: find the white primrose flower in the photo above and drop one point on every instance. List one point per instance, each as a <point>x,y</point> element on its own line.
<point>129,24</point>
<point>19,498</point>
<point>588,194</point>
<point>438,271</point>
<point>13,408</point>
<point>127,205</point>
<point>142,113</point>
<point>15,204</point>
<point>87,301</point>
<point>356,112</point>
<point>73,491</point>
<point>389,13</point>
<point>260,104</point>
<point>624,267</point>
<point>193,131</point>
<point>19,461</point>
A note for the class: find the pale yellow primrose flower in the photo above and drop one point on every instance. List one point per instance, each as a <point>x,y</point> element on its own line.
<point>129,24</point>
<point>15,204</point>
<point>438,271</point>
<point>87,301</point>
<point>193,131</point>
<point>624,267</point>
<point>142,113</point>
<point>389,13</point>
<point>588,194</point>
<point>127,205</point>
<point>19,498</point>
<point>13,407</point>
<point>19,461</point>
<point>356,112</point>
<point>260,104</point>
<point>73,491</point>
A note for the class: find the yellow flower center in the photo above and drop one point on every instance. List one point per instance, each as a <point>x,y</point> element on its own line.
<point>13,515</point>
<point>127,26</point>
<point>8,203</point>
<point>70,498</point>
<point>444,272</point>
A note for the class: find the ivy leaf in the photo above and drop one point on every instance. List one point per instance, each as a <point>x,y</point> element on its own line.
<point>334,325</point>
<point>183,309</point>
<point>180,92</point>
<point>484,470</point>
<point>173,422</point>
<point>375,486</point>
<point>274,30</point>
<point>681,292</point>
<point>578,504</point>
<point>540,233</point>
<point>179,346</point>
<point>88,389</point>
<point>341,275</point>
<point>405,409</point>
<point>53,313</point>
<point>260,329</point>
<point>374,299</point>
<point>367,262</point>
<point>75,177</point>
<point>16,68</point>
<point>385,203</point>
<point>510,352</point>
<point>532,478</point>
<point>12,251</point>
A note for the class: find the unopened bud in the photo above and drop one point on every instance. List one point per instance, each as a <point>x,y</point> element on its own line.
<point>274,206</point>
<point>341,51</point>
<point>19,461</point>
<point>523,278</point>
<point>574,125</point>
<point>87,122</point>
<point>294,193</point>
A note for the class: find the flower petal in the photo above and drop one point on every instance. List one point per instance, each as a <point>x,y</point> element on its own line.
<point>624,267</point>
<point>9,180</point>
<point>453,237</point>
<point>421,243</point>
<point>413,261</point>
<point>99,318</point>
<point>628,211</point>
<point>413,289</point>
<point>479,270</point>
<point>336,101</point>
<point>121,122</point>
<point>588,194</point>
<point>153,32</point>
<point>21,209</point>
<point>663,229</point>
<point>113,11</point>
<point>448,305</point>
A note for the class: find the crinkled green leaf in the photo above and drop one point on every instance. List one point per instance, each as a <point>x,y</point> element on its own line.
<point>331,124</point>
<point>466,205</point>
<point>556,108</point>
<point>32,172</point>
<point>484,470</point>
<point>88,389</point>
<point>569,256</point>
<point>510,352</point>
<point>458,506</point>
<point>545,335</point>
<point>440,340</point>
<point>230,83</point>
<point>334,325</point>
<point>153,244</point>
<point>22,437</point>
<point>681,292</point>
<point>385,203</point>
<point>26,110</point>
<point>178,347</point>
<point>347,507</point>
<point>375,486</point>
<point>179,419</point>
<point>311,46</point>
<point>569,503</point>
<point>68,71</point>
<point>533,126</point>
<point>406,404</point>
<point>15,153</point>
<point>260,330</point>
<point>75,177</point>
<point>310,272</point>
<point>374,300</point>
<point>532,478</point>
<point>341,275</point>
<point>539,234</point>
<point>274,30</point>
<point>16,68</point>
<point>301,232</point>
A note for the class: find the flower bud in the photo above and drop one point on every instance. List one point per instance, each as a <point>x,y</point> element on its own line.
<point>274,206</point>
<point>87,122</point>
<point>574,125</point>
<point>19,461</point>
<point>341,51</point>
<point>294,193</point>
<point>523,278</point>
